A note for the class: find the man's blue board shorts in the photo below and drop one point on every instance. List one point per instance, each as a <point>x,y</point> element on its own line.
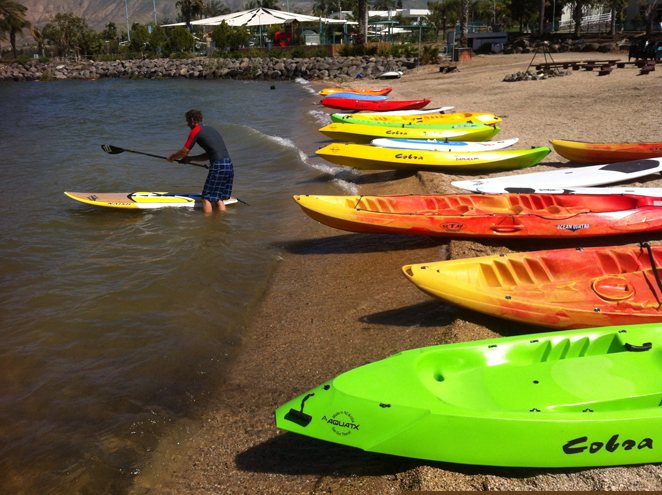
<point>218,185</point>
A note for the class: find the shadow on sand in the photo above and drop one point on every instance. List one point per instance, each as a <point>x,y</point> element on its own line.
<point>360,243</point>
<point>293,454</point>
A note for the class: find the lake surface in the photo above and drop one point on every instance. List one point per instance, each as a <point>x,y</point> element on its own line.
<point>115,324</point>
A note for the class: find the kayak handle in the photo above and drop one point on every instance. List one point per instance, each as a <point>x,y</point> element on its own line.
<point>646,346</point>
<point>505,229</point>
<point>300,417</point>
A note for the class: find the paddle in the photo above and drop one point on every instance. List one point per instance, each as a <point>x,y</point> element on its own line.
<point>115,150</point>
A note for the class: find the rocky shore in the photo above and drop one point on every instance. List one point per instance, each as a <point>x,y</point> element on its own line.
<point>318,68</point>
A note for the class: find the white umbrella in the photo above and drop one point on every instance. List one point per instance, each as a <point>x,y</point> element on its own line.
<point>258,17</point>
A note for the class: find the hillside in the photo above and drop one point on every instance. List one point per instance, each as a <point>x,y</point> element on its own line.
<point>98,13</point>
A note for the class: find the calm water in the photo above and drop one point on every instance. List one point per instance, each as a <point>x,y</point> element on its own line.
<point>115,323</point>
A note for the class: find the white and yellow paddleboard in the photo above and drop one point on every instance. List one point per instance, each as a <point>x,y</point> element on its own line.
<point>141,200</point>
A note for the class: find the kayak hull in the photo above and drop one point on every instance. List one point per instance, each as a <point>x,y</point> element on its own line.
<point>442,145</point>
<point>595,175</point>
<point>328,91</point>
<point>373,106</point>
<point>486,215</point>
<point>513,401</point>
<point>372,158</point>
<point>357,96</point>
<point>597,153</point>
<point>425,120</point>
<point>562,288</point>
<point>357,133</point>
<point>141,200</point>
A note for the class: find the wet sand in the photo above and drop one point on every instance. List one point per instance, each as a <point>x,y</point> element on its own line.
<point>339,300</point>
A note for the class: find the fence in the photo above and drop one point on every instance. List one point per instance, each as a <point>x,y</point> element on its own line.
<point>595,23</point>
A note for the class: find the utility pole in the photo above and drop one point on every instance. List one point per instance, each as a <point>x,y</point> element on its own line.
<point>128,28</point>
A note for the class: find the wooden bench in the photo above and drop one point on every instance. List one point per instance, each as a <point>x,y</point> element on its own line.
<point>447,68</point>
<point>648,67</point>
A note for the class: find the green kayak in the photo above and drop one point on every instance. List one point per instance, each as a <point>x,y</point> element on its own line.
<point>589,397</point>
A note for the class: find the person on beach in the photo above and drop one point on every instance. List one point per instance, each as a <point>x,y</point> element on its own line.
<point>218,185</point>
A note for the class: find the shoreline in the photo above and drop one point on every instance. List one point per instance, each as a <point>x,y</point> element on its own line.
<point>338,300</point>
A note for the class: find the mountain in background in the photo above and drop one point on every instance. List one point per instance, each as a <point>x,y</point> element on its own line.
<point>98,13</point>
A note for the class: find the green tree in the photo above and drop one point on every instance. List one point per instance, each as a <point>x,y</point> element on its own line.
<point>229,37</point>
<point>139,37</point>
<point>158,40</point>
<point>71,35</point>
<point>110,32</point>
<point>442,14</point>
<point>523,11</point>
<point>181,39</point>
<point>216,7</point>
<point>12,21</point>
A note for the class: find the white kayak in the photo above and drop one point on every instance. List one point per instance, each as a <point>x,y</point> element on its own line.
<point>421,111</point>
<point>596,175</point>
<point>394,74</point>
<point>442,145</point>
<point>655,192</point>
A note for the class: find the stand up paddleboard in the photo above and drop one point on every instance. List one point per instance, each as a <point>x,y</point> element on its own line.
<point>141,200</point>
<point>596,175</point>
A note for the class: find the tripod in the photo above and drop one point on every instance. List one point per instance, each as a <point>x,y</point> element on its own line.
<point>546,52</point>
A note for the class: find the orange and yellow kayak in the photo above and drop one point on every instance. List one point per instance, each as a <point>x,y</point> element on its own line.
<point>598,153</point>
<point>376,92</point>
<point>561,288</point>
<point>488,215</point>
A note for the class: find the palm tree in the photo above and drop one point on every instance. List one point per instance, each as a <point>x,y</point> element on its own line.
<point>190,9</point>
<point>12,21</point>
<point>363,21</point>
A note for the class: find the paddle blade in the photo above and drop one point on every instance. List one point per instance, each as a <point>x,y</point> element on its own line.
<point>113,150</point>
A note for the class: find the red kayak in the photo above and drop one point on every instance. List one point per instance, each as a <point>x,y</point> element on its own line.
<point>374,106</point>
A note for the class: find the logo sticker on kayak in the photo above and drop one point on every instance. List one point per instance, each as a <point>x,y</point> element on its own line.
<point>573,228</point>
<point>410,156</point>
<point>342,423</point>
<point>581,444</point>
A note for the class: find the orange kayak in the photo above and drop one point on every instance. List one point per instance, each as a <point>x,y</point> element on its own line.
<point>598,153</point>
<point>562,288</point>
<point>488,215</point>
<point>375,92</point>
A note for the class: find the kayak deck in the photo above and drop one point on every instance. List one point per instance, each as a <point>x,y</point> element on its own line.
<point>141,199</point>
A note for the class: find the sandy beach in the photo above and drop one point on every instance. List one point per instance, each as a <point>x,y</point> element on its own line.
<point>339,300</point>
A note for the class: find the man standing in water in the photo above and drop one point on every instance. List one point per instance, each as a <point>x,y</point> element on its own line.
<point>218,185</point>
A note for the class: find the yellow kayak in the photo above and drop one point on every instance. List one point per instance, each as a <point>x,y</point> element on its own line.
<point>359,133</point>
<point>374,158</point>
<point>141,200</point>
<point>417,120</point>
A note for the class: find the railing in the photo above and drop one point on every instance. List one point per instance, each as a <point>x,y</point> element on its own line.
<point>595,23</point>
